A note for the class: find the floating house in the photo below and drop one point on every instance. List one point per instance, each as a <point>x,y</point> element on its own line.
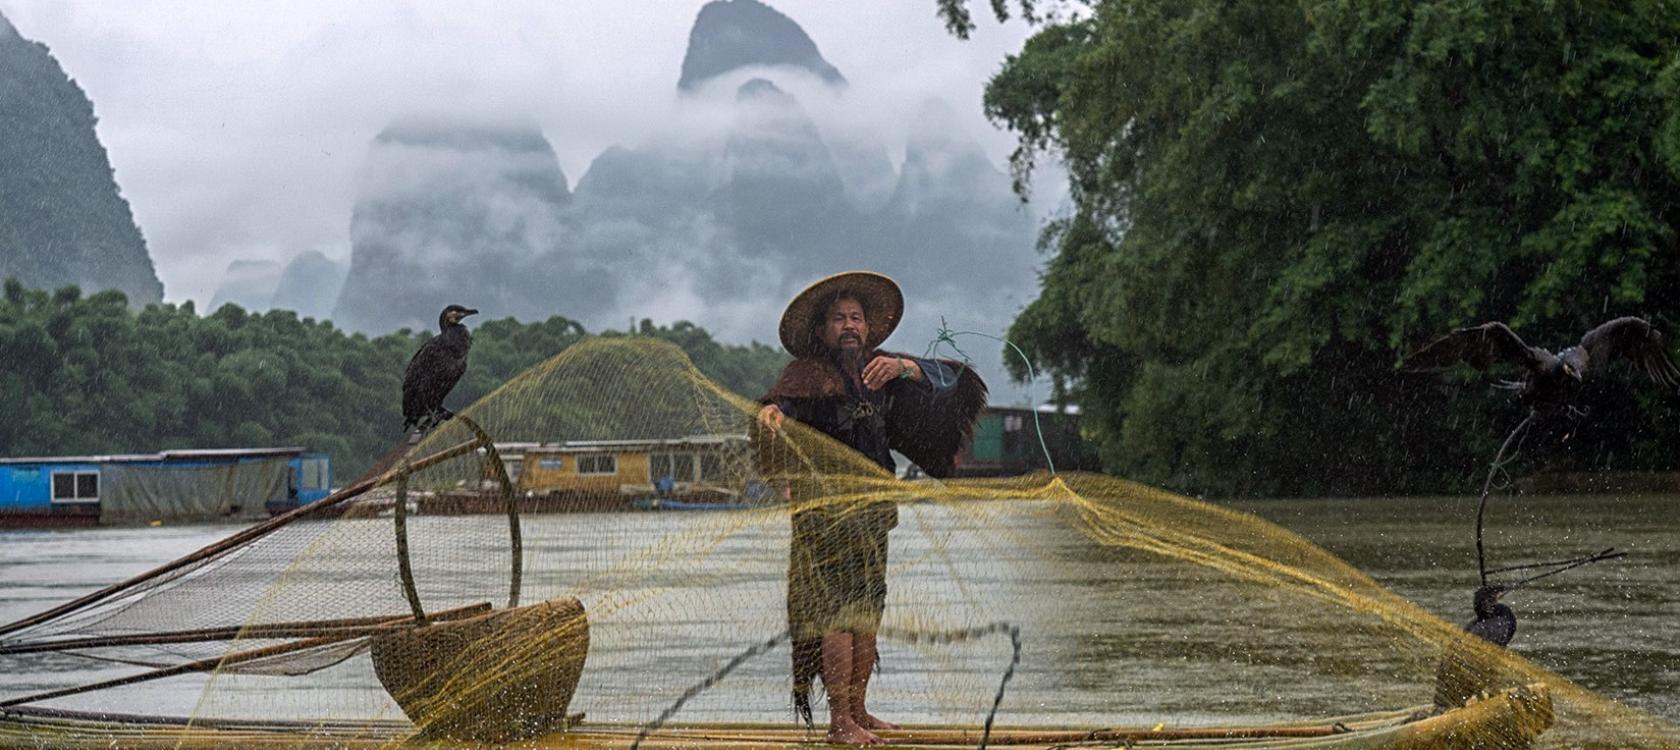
<point>608,475</point>
<point>1007,443</point>
<point>179,485</point>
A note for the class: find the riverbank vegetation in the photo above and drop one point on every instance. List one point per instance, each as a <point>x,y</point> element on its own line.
<point>88,375</point>
<point>1273,202</point>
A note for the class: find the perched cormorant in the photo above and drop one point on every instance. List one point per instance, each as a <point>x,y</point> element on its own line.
<point>1495,622</point>
<point>1551,379</point>
<point>435,369</point>
<point>1466,672</point>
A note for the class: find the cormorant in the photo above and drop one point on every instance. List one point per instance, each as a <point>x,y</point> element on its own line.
<point>1466,672</point>
<point>1495,622</point>
<point>1551,379</point>
<point>434,370</point>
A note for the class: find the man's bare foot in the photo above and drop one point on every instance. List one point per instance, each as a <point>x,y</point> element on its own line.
<point>868,721</point>
<point>849,733</point>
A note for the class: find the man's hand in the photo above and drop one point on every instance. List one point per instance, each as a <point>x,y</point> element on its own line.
<point>883,370</point>
<point>771,416</point>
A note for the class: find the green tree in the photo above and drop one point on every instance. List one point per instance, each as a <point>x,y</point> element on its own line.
<point>1273,201</point>
<point>90,375</point>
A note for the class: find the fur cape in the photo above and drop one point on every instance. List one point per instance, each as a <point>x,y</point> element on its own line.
<point>929,429</point>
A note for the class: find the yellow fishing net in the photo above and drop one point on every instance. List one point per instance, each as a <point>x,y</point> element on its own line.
<point>501,582</point>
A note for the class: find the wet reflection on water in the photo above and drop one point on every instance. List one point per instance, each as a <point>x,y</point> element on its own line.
<point>1110,636</point>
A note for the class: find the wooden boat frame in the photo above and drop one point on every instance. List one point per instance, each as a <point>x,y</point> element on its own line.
<point>1517,716</point>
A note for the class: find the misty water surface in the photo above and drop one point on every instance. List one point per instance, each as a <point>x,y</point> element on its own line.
<point>1109,637</point>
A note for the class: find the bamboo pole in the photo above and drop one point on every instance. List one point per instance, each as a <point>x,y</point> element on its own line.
<point>405,569</point>
<point>240,657</point>
<point>239,538</point>
<point>515,543</point>
<point>1001,737</point>
<point>300,629</point>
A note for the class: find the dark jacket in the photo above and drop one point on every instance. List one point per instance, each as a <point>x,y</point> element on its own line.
<point>928,423</point>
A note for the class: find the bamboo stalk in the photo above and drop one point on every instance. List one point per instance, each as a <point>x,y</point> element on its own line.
<point>405,569</point>
<point>494,459</point>
<point>239,538</point>
<point>969,736</point>
<point>301,629</point>
<point>238,657</point>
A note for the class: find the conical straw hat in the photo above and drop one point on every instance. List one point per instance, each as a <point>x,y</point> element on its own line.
<point>883,306</point>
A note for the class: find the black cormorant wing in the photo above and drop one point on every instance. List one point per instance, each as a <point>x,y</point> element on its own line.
<point>1635,340</point>
<point>931,430</point>
<point>431,374</point>
<point>1478,346</point>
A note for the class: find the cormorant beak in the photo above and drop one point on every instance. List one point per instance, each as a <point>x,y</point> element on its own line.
<point>1494,591</point>
<point>465,313</point>
<point>1572,372</point>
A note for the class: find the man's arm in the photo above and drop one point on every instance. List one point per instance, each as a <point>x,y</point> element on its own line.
<point>937,376</point>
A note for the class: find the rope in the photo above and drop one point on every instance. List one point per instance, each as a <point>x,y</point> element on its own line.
<point>968,634</point>
<point>706,684</point>
<point>906,635</point>
<point>947,336</point>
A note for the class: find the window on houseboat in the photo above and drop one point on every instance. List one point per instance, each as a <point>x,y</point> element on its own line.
<point>597,463</point>
<point>677,466</point>
<point>711,467</point>
<point>682,467</point>
<point>75,486</point>
<point>314,473</point>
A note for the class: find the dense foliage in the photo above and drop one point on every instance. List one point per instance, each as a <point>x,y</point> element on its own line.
<point>90,375</point>
<point>1273,201</point>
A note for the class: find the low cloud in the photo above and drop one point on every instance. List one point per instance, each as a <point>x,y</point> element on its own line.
<point>245,130</point>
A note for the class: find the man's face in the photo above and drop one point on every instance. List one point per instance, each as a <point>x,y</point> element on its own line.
<point>844,328</point>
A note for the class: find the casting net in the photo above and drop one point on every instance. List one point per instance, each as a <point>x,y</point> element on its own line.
<point>1085,602</point>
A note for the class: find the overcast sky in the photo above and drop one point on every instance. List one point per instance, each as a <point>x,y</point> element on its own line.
<point>237,129</point>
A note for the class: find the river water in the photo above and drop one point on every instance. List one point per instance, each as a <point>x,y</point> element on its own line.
<point>1106,638</point>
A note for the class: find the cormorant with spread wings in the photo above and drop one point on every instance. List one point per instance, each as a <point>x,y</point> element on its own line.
<point>1551,379</point>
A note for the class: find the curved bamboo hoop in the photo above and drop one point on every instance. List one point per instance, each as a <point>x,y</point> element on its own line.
<point>493,458</point>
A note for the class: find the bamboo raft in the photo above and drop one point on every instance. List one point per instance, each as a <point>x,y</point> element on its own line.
<point>1516,717</point>
<point>533,705</point>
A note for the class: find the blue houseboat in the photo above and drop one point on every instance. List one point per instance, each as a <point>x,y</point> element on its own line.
<point>174,486</point>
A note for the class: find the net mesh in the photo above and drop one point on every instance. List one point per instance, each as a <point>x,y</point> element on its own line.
<point>1130,606</point>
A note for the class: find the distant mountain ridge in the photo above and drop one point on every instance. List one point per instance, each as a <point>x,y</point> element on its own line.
<point>249,284</point>
<point>733,34</point>
<point>63,219</point>
<point>462,213</point>
<point>742,197</point>
<point>309,286</point>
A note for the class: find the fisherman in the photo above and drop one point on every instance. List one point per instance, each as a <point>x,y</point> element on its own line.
<point>842,385</point>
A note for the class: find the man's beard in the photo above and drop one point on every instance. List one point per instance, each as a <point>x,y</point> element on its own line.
<point>851,360</point>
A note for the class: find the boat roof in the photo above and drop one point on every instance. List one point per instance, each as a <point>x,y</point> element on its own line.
<point>579,446</point>
<point>186,454</point>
